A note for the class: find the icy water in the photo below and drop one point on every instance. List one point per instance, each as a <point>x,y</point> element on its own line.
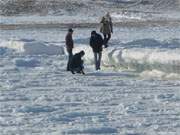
<point>37,95</point>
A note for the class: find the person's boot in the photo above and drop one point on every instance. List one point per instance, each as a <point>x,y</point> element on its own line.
<point>106,45</point>
<point>82,72</point>
<point>72,72</point>
<point>79,72</point>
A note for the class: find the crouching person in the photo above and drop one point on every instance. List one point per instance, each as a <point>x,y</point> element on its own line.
<point>76,64</point>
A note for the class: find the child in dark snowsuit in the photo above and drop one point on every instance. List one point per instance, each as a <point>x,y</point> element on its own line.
<point>76,64</point>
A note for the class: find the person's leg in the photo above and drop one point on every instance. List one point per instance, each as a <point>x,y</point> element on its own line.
<point>70,55</point>
<point>72,72</point>
<point>82,72</point>
<point>105,40</point>
<point>77,70</point>
<point>95,60</point>
<point>80,68</point>
<point>82,65</point>
<point>99,60</point>
<point>105,36</point>
<point>109,37</point>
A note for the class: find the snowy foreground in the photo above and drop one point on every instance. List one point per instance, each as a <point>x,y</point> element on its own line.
<point>47,100</point>
<point>136,93</point>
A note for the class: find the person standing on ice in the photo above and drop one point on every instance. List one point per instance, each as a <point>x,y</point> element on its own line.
<point>106,28</point>
<point>96,43</point>
<point>69,46</point>
<point>76,63</point>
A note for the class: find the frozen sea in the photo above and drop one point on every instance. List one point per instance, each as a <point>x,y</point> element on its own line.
<point>137,92</point>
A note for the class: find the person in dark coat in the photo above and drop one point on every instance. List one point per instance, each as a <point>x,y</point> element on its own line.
<point>106,28</point>
<point>76,64</point>
<point>96,43</point>
<point>69,46</point>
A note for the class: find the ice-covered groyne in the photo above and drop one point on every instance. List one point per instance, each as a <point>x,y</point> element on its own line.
<point>146,60</point>
<point>140,58</point>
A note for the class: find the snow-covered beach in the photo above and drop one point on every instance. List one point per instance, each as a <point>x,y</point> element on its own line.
<point>137,92</point>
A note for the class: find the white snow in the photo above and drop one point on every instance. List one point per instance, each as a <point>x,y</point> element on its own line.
<point>48,100</point>
<point>138,59</point>
<point>27,63</point>
<point>35,19</point>
<point>135,93</point>
<point>32,47</point>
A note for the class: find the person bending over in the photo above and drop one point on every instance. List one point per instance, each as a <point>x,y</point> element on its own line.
<point>76,64</point>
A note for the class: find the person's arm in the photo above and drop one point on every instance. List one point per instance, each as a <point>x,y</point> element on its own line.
<point>102,20</point>
<point>69,42</point>
<point>91,42</point>
<point>66,39</point>
<point>101,41</point>
<point>111,25</point>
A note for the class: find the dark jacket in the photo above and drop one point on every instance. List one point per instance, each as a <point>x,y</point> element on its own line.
<point>69,41</point>
<point>76,61</point>
<point>96,42</point>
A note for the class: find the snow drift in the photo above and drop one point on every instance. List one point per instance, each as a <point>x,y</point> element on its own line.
<point>149,60</point>
<point>32,47</point>
<point>155,60</point>
<point>139,59</point>
<point>27,63</point>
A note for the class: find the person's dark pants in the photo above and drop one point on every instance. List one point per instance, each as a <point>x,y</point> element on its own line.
<point>70,55</point>
<point>107,37</point>
<point>78,69</point>
<point>97,60</point>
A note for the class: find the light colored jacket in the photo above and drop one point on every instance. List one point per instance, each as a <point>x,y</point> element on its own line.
<point>106,25</point>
